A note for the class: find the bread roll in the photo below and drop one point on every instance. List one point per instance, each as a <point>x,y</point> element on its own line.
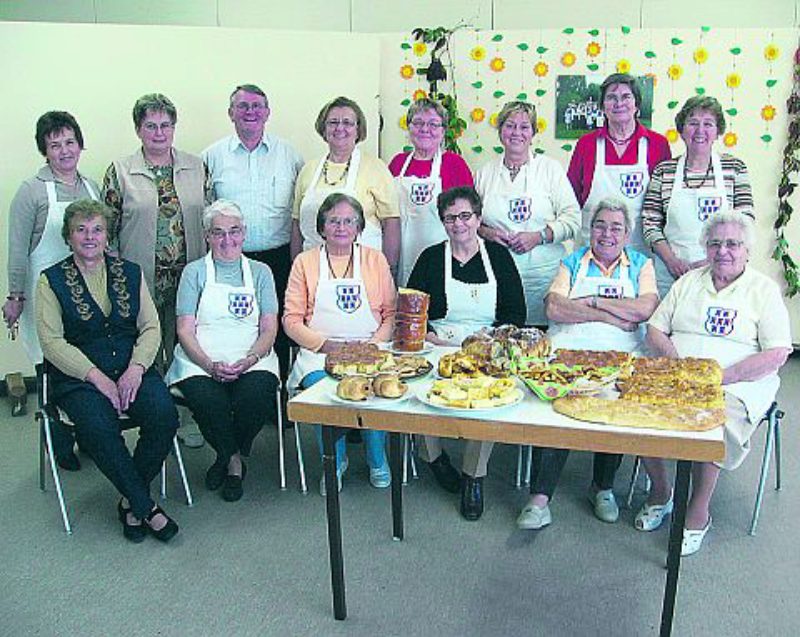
<point>354,388</point>
<point>388,386</point>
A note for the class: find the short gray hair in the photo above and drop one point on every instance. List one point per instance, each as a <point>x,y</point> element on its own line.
<point>730,216</point>
<point>615,205</point>
<point>223,207</point>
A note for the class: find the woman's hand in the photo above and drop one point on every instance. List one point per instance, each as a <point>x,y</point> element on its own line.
<point>436,340</point>
<point>224,372</point>
<point>128,385</point>
<point>12,308</point>
<point>105,386</point>
<point>331,345</point>
<point>677,267</point>
<point>522,242</point>
<point>497,235</point>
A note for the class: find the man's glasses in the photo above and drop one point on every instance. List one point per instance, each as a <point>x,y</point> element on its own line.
<point>233,233</point>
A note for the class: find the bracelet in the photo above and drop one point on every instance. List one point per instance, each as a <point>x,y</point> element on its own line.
<point>594,301</point>
<point>257,357</point>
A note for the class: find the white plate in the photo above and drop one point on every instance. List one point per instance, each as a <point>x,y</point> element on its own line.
<point>422,396</point>
<point>372,401</point>
<point>427,348</point>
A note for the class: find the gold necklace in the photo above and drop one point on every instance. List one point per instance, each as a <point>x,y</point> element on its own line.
<point>346,270</point>
<point>341,177</point>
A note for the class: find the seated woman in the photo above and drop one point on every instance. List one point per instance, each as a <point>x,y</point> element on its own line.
<point>472,284</point>
<point>599,300</point>
<point>224,363</point>
<point>319,322</point>
<point>99,330</point>
<point>732,313</point>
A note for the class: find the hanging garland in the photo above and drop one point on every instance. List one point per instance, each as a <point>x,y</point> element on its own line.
<point>790,170</point>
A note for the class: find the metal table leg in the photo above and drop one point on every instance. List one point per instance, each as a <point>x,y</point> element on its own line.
<point>329,435</point>
<point>675,542</point>
<point>396,448</point>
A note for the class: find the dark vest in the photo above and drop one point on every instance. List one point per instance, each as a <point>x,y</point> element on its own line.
<point>107,341</point>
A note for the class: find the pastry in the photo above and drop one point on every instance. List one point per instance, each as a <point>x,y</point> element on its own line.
<point>388,386</point>
<point>355,388</point>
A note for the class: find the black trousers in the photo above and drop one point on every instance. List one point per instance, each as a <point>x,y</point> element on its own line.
<point>279,261</point>
<point>99,433</point>
<point>547,464</point>
<point>230,415</point>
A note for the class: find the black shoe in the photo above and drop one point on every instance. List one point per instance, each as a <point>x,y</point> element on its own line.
<point>471,498</point>
<point>447,477</point>
<point>69,462</point>
<point>166,532</point>
<point>232,488</point>
<point>133,532</point>
<point>215,475</point>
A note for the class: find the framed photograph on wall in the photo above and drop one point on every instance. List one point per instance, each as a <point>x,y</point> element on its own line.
<point>578,107</point>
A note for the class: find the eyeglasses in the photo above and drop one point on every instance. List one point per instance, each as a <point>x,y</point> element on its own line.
<point>419,124</point>
<point>614,99</point>
<point>233,233</point>
<point>730,244</point>
<point>347,222</point>
<point>344,123</point>
<point>247,106</point>
<point>601,227</point>
<point>525,127</point>
<point>152,127</point>
<point>465,216</point>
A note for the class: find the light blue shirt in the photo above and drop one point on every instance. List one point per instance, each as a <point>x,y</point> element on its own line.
<point>261,182</point>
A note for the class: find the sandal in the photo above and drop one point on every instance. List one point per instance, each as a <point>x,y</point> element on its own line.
<point>166,532</point>
<point>132,532</point>
<point>651,516</point>
<point>693,539</point>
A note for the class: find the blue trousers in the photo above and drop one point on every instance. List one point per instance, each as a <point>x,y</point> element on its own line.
<point>99,432</point>
<point>374,441</point>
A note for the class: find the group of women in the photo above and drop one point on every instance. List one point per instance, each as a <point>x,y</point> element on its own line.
<point>486,251</point>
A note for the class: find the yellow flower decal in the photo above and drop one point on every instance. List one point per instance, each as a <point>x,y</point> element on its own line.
<point>419,94</point>
<point>623,66</point>
<point>674,71</point>
<point>730,140</point>
<point>497,65</point>
<point>733,80</point>
<point>771,52</point>
<point>593,49</point>
<point>478,53</point>
<point>541,69</point>
<point>700,55</point>
<point>672,135</point>
<point>477,115</point>
<point>768,113</point>
<point>568,59</point>
<point>493,120</point>
<point>541,125</point>
<point>403,123</point>
<point>406,71</point>
<point>420,49</point>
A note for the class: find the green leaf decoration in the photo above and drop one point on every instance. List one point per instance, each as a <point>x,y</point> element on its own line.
<point>408,149</point>
<point>766,138</point>
<point>498,149</point>
<point>626,31</point>
<point>539,151</point>
<point>522,46</point>
<point>705,29</point>
<point>732,112</point>
<point>498,93</point>
<point>771,83</point>
<point>676,41</point>
<point>477,84</point>
<point>650,54</point>
<point>541,49</point>
<point>672,104</point>
<point>540,92</point>
<point>592,66</point>
<point>405,102</point>
<point>736,50</point>
<point>699,90</point>
<point>522,96</point>
<point>497,38</point>
<point>477,149</point>
<point>568,31</point>
<point>568,147</point>
<point>405,46</point>
<point>594,32</point>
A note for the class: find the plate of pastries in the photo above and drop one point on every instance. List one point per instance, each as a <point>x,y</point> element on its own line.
<point>385,387</point>
<point>475,393</point>
<point>367,359</point>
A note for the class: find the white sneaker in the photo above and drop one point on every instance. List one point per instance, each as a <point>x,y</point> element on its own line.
<point>380,477</point>
<point>322,491</point>
<point>533,517</point>
<point>605,505</point>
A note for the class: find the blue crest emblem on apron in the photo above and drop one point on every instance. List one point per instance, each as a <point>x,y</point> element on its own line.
<point>609,291</point>
<point>519,210</point>
<point>421,194</point>
<point>707,206</point>
<point>348,298</point>
<point>631,184</point>
<point>240,304</point>
<point>719,321</point>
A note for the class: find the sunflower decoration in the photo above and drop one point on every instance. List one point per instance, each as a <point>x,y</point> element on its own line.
<point>541,69</point>
<point>624,66</point>
<point>419,94</point>
<point>419,49</point>
<point>477,115</point>
<point>733,80</point>
<point>568,59</point>
<point>672,135</point>
<point>700,55</point>
<point>497,64</point>
<point>493,119</point>
<point>477,53</point>
<point>674,72</point>
<point>541,125</point>
<point>406,71</point>
<point>593,49</point>
<point>730,139</point>
<point>768,113</point>
<point>771,52</point>
<point>403,122</point>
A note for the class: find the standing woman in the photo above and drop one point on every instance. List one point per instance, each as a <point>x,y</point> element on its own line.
<point>528,206</point>
<point>618,159</point>
<point>421,176</point>
<point>686,191</point>
<point>345,169</point>
<point>34,236</point>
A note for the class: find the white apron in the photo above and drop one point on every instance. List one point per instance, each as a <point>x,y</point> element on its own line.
<point>421,226</point>
<point>50,250</point>
<point>341,312</point>
<point>470,306</point>
<point>523,206</point>
<point>627,183</point>
<point>309,207</point>
<point>596,335</point>
<point>227,326</point>
<point>687,212</point>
